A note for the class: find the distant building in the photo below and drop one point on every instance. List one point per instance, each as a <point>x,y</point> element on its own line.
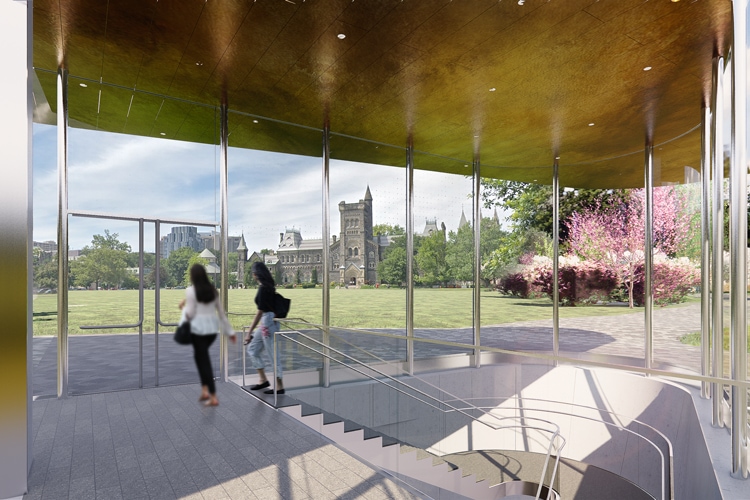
<point>188,236</point>
<point>179,237</point>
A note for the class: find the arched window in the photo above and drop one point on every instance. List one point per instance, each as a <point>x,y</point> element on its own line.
<point>356,251</point>
<point>349,252</point>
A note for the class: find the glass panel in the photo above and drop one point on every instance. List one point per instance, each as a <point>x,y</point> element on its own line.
<point>368,238</point>
<point>275,205</point>
<point>677,272</point>
<point>601,267</point>
<point>444,255</point>
<point>124,162</point>
<point>516,242</point>
<point>44,159</point>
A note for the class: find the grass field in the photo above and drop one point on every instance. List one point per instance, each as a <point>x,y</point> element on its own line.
<point>350,308</point>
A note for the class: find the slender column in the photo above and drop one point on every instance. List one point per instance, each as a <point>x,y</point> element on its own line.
<point>556,257</point>
<point>410,255</point>
<point>157,297</point>
<point>15,247</point>
<point>326,249</point>
<point>140,303</point>
<point>62,233</point>
<point>648,253</point>
<point>705,249</point>
<point>738,241</point>
<point>717,268</point>
<point>477,262</point>
<point>224,194</point>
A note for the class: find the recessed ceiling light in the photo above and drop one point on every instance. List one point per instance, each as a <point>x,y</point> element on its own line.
<point>557,157</point>
<point>591,124</point>
<point>647,68</point>
<point>255,121</point>
<point>198,63</point>
<point>83,85</point>
<point>675,1</point>
<point>493,89</point>
<point>520,2</point>
<point>341,36</point>
<point>162,133</point>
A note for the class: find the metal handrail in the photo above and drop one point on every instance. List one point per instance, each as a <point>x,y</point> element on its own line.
<point>552,440</point>
<point>108,327</point>
<point>666,477</point>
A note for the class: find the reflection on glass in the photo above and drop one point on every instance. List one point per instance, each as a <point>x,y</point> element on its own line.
<point>275,217</point>
<point>444,255</point>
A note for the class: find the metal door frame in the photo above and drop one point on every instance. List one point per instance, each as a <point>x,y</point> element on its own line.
<point>62,369</point>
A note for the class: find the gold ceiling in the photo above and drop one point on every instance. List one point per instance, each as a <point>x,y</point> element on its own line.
<point>516,82</point>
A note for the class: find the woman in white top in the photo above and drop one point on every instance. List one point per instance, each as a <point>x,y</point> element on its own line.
<point>202,308</point>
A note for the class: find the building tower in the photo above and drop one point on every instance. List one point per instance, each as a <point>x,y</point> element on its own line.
<point>358,253</point>
<point>241,260</point>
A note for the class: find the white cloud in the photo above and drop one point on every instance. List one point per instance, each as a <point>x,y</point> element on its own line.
<point>268,192</point>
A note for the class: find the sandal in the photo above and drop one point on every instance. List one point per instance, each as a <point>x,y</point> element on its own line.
<point>211,403</point>
<point>260,386</point>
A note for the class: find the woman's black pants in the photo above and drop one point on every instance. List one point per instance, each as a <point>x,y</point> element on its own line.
<point>201,343</point>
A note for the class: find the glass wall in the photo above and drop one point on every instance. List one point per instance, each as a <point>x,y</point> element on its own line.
<point>148,172</point>
<point>677,272</point>
<point>368,248</point>
<point>516,252</point>
<point>275,205</point>
<point>443,255</point>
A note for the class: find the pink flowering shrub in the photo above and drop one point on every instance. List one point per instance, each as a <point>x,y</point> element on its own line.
<point>579,282</point>
<point>672,281</point>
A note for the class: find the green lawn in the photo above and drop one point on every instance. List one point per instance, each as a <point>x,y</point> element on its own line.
<point>353,308</point>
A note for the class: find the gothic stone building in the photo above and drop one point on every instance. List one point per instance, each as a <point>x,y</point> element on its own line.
<point>355,253</point>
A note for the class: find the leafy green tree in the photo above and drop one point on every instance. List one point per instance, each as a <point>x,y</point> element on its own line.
<point>387,230</point>
<point>104,263</point>
<point>150,279</point>
<point>298,277</point>
<point>459,254</point>
<point>530,205</point>
<point>433,268</point>
<point>177,264</point>
<point>314,276</point>
<point>45,274</point>
<point>392,269</point>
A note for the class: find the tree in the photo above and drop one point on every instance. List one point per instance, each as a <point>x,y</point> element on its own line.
<point>177,264</point>
<point>45,274</point>
<point>387,230</point>
<point>433,268</point>
<point>531,205</point>
<point>392,269</point>
<point>150,279</point>
<point>314,276</point>
<point>104,262</point>
<point>459,254</point>
<point>615,237</point>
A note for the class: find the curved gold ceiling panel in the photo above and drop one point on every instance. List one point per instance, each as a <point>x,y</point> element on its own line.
<point>520,83</point>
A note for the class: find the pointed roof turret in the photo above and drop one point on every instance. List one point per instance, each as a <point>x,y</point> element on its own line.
<point>242,245</point>
<point>368,196</point>
<point>463,220</point>
<point>496,218</point>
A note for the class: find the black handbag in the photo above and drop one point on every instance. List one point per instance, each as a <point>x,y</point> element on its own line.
<point>182,334</point>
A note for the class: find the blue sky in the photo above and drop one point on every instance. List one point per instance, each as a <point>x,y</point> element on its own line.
<point>268,192</point>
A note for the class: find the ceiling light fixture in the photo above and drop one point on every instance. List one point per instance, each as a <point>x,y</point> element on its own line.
<point>341,36</point>
<point>198,63</point>
<point>647,68</point>
<point>255,121</point>
<point>83,85</point>
<point>162,133</point>
<point>493,89</point>
<point>591,124</point>
<point>520,2</point>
